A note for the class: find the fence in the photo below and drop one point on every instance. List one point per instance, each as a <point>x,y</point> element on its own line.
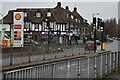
<point>23,55</point>
<point>85,67</point>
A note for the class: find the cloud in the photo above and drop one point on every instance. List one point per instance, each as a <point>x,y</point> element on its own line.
<point>60,0</point>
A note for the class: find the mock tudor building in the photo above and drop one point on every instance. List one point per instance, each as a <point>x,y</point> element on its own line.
<point>39,21</point>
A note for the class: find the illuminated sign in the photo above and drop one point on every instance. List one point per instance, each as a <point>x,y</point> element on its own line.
<point>18,29</point>
<point>17,26</point>
<point>17,16</point>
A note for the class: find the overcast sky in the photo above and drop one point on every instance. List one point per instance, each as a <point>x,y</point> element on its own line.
<point>107,9</point>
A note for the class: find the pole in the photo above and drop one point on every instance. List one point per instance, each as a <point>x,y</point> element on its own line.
<point>48,41</point>
<point>2,27</point>
<point>95,47</point>
<point>102,41</point>
<point>95,40</point>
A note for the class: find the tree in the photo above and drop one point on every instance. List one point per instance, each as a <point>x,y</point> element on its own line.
<point>111,27</point>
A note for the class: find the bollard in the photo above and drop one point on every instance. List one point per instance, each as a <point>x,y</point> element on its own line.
<point>103,46</point>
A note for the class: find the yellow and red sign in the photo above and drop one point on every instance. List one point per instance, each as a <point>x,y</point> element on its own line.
<point>17,16</point>
<point>6,43</point>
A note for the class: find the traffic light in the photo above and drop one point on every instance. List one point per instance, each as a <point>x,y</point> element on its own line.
<point>94,21</point>
<point>99,23</point>
<point>102,27</point>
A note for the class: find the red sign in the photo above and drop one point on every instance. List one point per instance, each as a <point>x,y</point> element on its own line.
<point>17,26</point>
<point>17,38</point>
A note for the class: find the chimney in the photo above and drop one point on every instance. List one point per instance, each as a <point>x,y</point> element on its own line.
<point>67,8</point>
<point>59,4</point>
<point>75,9</point>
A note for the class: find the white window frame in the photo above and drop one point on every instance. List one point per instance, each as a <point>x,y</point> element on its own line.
<point>38,14</point>
<point>48,14</point>
<point>75,20</point>
<point>72,17</point>
<point>25,14</point>
<point>67,15</point>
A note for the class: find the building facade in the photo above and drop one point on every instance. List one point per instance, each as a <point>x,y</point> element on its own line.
<point>52,21</point>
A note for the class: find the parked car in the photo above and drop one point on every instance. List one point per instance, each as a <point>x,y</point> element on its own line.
<point>89,45</point>
<point>109,40</point>
<point>28,42</point>
<point>118,39</point>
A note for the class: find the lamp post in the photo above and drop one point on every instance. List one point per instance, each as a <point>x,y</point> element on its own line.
<point>2,26</point>
<point>48,31</point>
<point>94,27</point>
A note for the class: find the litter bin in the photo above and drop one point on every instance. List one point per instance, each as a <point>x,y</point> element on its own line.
<point>103,46</point>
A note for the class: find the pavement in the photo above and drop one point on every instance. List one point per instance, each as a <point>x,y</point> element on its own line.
<point>114,75</point>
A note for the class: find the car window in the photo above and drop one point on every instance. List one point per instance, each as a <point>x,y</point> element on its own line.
<point>89,42</point>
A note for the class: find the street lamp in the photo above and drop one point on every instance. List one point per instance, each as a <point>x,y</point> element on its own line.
<point>48,31</point>
<point>94,27</point>
<point>2,26</point>
<point>95,14</point>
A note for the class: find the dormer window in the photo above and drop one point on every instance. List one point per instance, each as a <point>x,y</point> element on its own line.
<point>25,14</point>
<point>49,14</point>
<point>38,15</point>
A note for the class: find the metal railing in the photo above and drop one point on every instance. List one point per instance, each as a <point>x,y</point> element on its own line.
<point>84,67</point>
<point>23,55</point>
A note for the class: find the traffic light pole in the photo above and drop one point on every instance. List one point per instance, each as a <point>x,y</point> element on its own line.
<point>95,40</point>
<point>102,41</point>
<point>94,27</point>
<point>102,35</point>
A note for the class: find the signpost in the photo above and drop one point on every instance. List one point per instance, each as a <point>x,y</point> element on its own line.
<point>18,29</point>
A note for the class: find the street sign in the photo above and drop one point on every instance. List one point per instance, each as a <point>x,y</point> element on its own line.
<point>18,29</point>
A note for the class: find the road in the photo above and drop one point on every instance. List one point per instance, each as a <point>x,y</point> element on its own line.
<point>114,46</point>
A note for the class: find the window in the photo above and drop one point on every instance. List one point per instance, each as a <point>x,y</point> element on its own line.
<point>36,26</point>
<point>49,14</point>
<point>75,20</point>
<point>67,15</point>
<point>25,14</point>
<point>72,16</point>
<point>27,25</point>
<point>38,15</point>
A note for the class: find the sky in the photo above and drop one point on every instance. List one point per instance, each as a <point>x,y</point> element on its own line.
<point>107,9</point>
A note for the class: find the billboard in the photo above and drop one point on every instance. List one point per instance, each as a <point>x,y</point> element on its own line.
<point>18,29</point>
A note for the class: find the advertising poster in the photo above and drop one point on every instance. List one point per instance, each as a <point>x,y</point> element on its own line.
<point>3,33</point>
<point>12,36</point>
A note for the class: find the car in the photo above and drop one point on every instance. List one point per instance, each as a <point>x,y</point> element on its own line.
<point>109,40</point>
<point>89,45</point>
<point>28,42</point>
<point>118,39</point>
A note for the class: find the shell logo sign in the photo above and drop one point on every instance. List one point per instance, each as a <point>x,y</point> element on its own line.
<point>17,16</point>
<point>18,29</point>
